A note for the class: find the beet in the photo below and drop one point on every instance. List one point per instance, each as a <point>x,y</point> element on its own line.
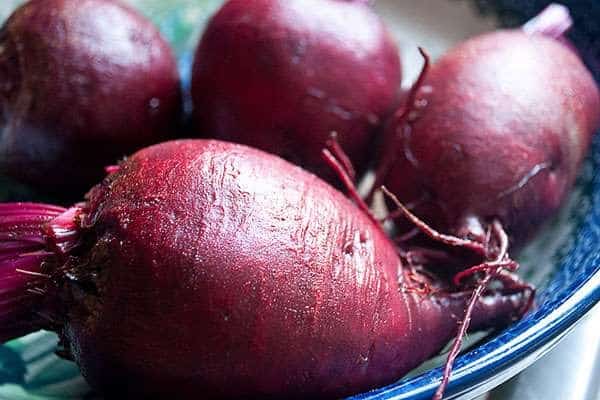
<point>282,75</point>
<point>82,83</point>
<point>498,130</point>
<point>210,269</point>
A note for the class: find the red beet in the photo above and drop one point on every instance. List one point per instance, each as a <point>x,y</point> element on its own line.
<point>282,75</point>
<point>210,269</point>
<point>498,130</point>
<point>82,83</point>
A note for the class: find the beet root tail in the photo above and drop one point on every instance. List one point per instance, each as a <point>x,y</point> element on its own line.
<point>484,311</point>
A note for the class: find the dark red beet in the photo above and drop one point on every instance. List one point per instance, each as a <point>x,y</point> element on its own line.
<point>210,269</point>
<point>490,141</point>
<point>282,75</point>
<point>82,83</point>
<point>499,129</point>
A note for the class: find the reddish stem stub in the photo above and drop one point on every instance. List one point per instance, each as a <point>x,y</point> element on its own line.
<point>554,21</point>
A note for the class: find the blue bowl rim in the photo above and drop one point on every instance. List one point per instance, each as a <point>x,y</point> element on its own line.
<point>484,367</point>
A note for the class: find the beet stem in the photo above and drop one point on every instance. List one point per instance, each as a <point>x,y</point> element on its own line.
<point>24,247</point>
<point>554,21</point>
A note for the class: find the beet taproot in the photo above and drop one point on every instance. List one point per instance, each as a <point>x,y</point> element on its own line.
<point>498,130</point>
<point>211,269</point>
<point>283,75</point>
<point>82,83</point>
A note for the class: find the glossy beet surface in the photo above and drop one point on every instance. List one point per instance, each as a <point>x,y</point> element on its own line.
<point>499,129</point>
<point>282,75</point>
<point>82,83</point>
<point>205,268</point>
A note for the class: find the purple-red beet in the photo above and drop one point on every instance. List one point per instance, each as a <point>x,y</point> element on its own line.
<point>282,75</point>
<point>82,83</point>
<point>498,130</point>
<point>210,269</point>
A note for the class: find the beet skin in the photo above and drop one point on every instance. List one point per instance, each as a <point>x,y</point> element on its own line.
<point>210,269</point>
<point>498,130</point>
<point>82,84</point>
<point>282,75</point>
